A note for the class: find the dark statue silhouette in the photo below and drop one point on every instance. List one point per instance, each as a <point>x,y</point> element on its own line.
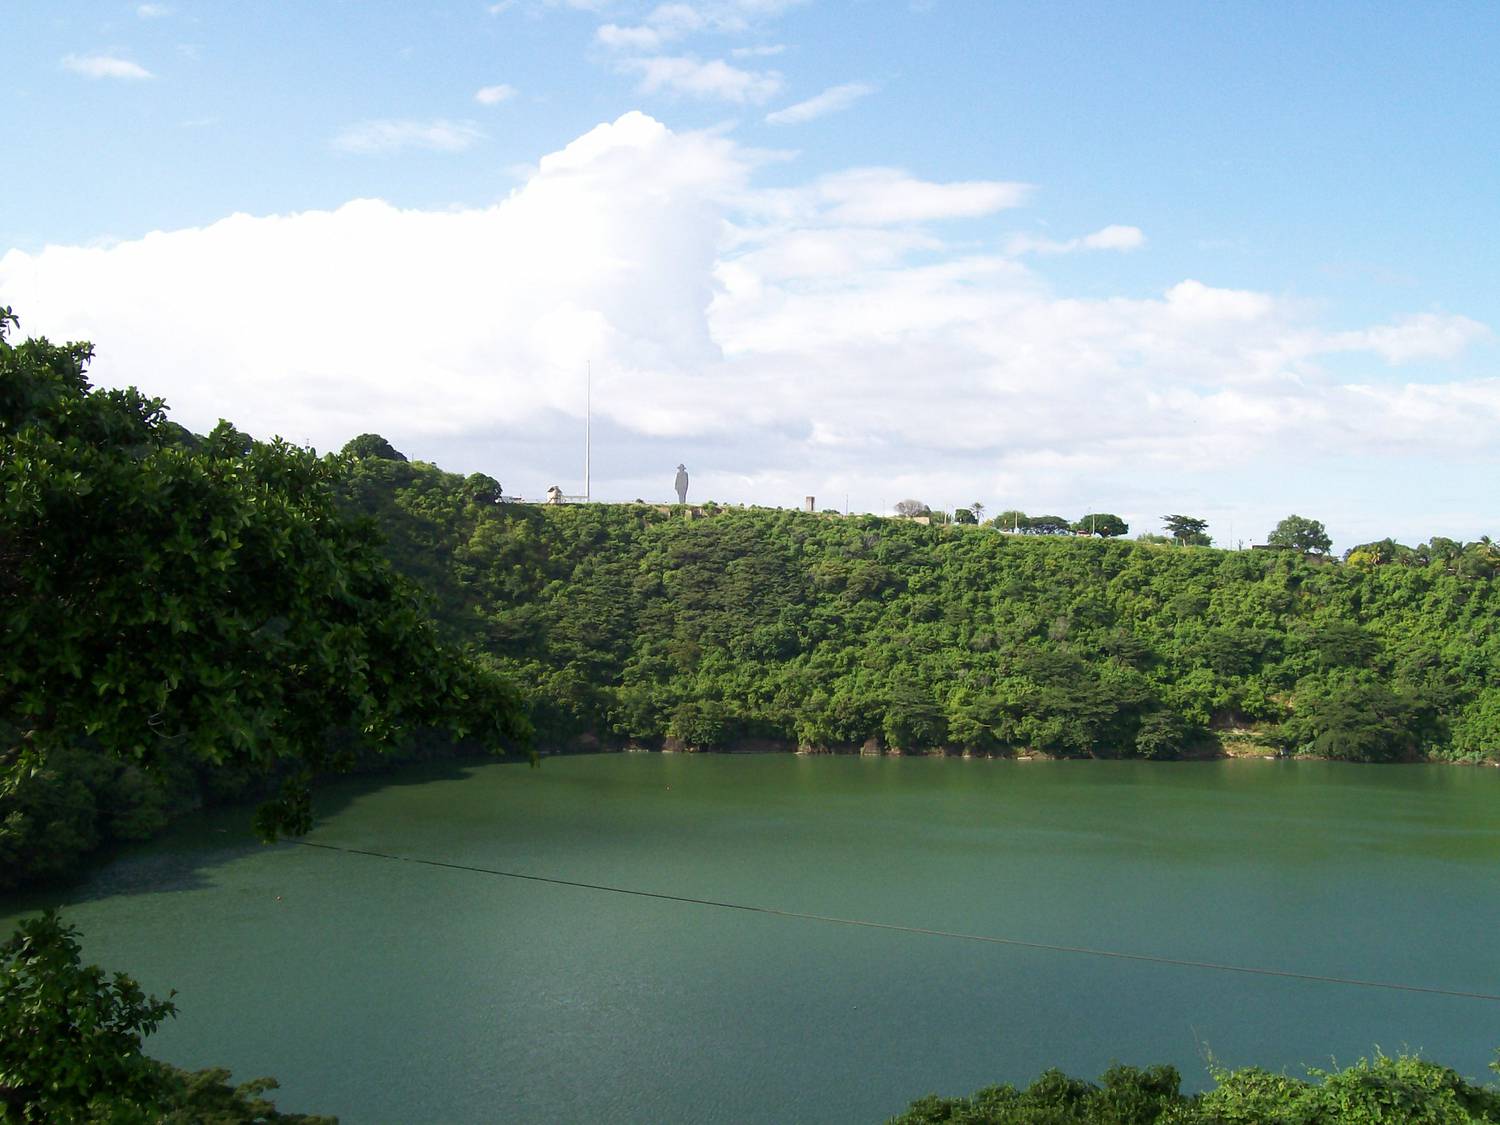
<point>681,484</point>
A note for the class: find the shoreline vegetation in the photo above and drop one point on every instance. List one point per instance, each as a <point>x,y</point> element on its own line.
<point>1399,1089</point>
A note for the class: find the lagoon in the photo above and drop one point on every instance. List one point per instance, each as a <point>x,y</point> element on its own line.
<point>390,991</point>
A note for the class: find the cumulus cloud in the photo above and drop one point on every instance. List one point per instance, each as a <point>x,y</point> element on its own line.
<point>105,66</point>
<point>823,338</point>
<point>382,137</point>
<point>763,51</point>
<point>494,95</point>
<point>832,100</point>
<point>713,79</point>
<point>1109,238</point>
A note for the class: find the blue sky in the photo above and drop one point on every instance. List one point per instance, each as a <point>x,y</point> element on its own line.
<point>1236,260</point>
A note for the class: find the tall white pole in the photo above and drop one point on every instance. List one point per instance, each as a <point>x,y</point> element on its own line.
<point>588,419</point>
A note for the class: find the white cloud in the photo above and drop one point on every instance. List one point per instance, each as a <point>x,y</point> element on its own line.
<point>677,19</point>
<point>832,100</point>
<point>817,339</point>
<point>1423,336</point>
<point>105,66</point>
<point>761,52</point>
<point>152,11</point>
<point>886,196</point>
<point>494,95</point>
<point>640,38</point>
<point>373,138</point>
<point>713,79</point>
<point>1109,238</point>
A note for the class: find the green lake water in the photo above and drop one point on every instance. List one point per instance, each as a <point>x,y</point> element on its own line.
<point>389,991</point>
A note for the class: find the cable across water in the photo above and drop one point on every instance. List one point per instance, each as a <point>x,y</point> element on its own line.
<point>865,923</point>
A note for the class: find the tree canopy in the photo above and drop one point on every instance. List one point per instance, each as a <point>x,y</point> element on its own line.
<point>372,445</point>
<point>1302,534</point>
<point>1407,1088</point>
<point>168,605</point>
<point>1190,531</point>
<point>1103,524</point>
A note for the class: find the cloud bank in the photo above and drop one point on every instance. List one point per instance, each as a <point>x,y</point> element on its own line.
<point>825,338</point>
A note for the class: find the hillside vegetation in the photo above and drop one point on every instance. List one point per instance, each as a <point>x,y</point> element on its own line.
<point>710,627</point>
<point>184,619</point>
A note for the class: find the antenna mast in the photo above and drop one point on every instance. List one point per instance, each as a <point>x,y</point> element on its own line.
<point>588,403</point>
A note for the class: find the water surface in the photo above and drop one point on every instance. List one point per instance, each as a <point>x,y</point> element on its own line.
<point>390,991</point>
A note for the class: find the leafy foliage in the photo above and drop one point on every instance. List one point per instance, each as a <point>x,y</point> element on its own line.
<point>1190,531</point>
<point>372,445</point>
<point>1105,524</point>
<point>72,1035</point>
<point>1302,535</point>
<point>70,1045</point>
<point>1372,1092</point>
<point>171,608</point>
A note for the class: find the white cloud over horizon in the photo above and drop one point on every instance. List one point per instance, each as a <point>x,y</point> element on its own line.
<point>105,66</point>
<point>822,337</point>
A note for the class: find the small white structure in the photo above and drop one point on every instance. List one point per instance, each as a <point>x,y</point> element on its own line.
<point>808,503</point>
<point>554,495</point>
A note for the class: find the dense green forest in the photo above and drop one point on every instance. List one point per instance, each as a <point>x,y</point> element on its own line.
<point>189,619</point>
<point>708,627</point>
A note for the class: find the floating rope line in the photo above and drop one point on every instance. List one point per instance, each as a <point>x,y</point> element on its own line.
<point>863,923</point>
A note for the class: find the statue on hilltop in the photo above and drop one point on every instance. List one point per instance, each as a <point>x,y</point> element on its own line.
<point>681,484</point>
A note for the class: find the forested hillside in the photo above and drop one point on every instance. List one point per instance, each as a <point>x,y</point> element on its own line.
<point>648,623</point>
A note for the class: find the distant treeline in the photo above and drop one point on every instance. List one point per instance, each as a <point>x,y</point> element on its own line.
<point>638,622</point>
